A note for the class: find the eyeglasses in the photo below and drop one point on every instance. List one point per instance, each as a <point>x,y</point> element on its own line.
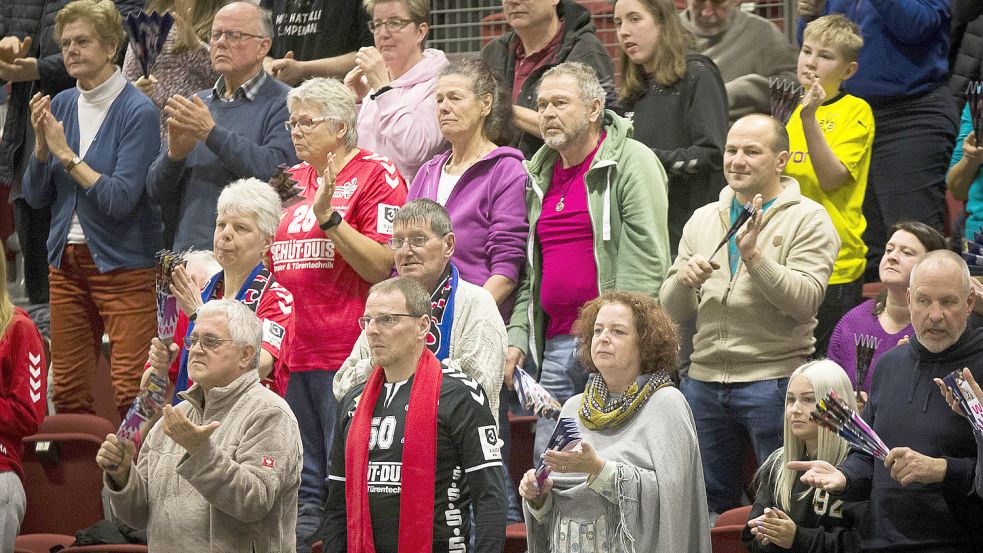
<point>385,321</point>
<point>393,24</point>
<point>208,343</point>
<point>306,124</point>
<point>234,37</point>
<point>415,242</point>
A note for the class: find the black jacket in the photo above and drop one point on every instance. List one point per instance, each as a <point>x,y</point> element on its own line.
<point>36,19</point>
<point>579,43</point>
<point>966,63</point>
<point>907,410</point>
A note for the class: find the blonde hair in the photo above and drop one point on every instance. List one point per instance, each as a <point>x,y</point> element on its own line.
<point>824,375</point>
<point>6,306</point>
<point>419,10</point>
<point>202,15</point>
<point>670,53</point>
<point>102,14</point>
<point>837,31</point>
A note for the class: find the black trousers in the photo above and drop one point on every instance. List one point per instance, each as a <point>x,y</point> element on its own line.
<point>33,226</point>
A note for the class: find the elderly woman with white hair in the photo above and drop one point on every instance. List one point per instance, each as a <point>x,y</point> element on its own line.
<point>248,215</point>
<point>330,249</point>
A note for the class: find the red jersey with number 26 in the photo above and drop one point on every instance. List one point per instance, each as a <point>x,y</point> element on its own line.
<point>330,294</point>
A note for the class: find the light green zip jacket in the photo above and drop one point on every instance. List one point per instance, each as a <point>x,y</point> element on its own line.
<point>627,202</point>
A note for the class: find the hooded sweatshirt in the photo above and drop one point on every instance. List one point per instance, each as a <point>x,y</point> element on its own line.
<point>488,210</point>
<point>627,204</point>
<point>907,410</point>
<point>401,123</point>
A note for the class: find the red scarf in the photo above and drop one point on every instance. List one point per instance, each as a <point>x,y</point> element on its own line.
<point>418,467</point>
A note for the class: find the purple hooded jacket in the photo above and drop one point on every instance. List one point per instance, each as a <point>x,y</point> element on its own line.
<point>488,210</point>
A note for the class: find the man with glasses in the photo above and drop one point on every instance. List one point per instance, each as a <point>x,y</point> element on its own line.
<point>233,131</point>
<point>747,49</point>
<point>544,33</point>
<point>219,471</point>
<point>396,484</point>
<point>466,330</point>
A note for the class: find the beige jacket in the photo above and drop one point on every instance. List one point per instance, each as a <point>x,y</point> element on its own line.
<point>477,346</point>
<point>758,325</point>
<point>238,493</point>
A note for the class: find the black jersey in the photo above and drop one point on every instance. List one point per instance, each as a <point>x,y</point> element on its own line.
<point>468,468</point>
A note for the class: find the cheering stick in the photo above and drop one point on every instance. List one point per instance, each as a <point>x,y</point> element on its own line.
<point>974,98</point>
<point>147,34</point>
<point>565,437</point>
<point>785,97</point>
<point>746,213</point>
<point>968,402</point>
<point>866,346</point>
<point>285,186</point>
<point>150,400</point>
<point>835,415</point>
<point>533,396</point>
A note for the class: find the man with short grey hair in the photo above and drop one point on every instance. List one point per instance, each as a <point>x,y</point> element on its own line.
<point>598,201</point>
<point>219,471</point>
<point>233,131</point>
<point>921,496</point>
<point>748,50</point>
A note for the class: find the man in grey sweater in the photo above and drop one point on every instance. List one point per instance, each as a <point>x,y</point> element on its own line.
<point>748,50</point>
<point>219,471</point>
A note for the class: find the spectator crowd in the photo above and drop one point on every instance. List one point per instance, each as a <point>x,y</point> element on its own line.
<point>686,273</point>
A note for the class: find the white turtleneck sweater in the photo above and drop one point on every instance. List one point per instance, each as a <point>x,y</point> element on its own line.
<point>93,105</point>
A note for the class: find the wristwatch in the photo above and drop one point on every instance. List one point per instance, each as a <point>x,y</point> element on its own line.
<point>72,164</point>
<point>380,92</point>
<point>333,221</point>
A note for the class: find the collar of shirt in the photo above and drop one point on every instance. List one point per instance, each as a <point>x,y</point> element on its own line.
<point>248,90</point>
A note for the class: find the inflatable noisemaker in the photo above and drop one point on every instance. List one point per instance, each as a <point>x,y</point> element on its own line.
<point>167,309</point>
<point>746,213</point>
<point>534,397</point>
<point>970,404</point>
<point>866,346</point>
<point>285,186</point>
<point>974,99</point>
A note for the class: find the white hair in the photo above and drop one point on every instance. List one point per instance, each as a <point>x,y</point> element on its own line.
<point>252,197</point>
<point>332,99</point>
<point>244,326</point>
<point>944,258</point>
<point>205,259</point>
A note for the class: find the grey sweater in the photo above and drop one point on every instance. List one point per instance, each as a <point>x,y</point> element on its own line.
<point>237,493</point>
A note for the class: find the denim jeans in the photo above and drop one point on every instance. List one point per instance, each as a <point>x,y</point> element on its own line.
<point>725,415</point>
<point>563,377</point>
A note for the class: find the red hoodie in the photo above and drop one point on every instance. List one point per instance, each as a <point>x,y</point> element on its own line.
<point>23,388</point>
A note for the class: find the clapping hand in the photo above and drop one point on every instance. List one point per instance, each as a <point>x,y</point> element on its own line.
<point>747,240</point>
<point>369,60</point>
<point>820,474</point>
<point>185,291</point>
<point>185,433</point>
<point>773,527</point>
<point>15,66</point>
<point>322,198</point>
<point>814,97</point>
<point>583,459</point>
<point>40,109</point>
<point>115,457</point>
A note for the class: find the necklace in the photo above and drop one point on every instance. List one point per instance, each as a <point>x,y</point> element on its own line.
<point>563,195</point>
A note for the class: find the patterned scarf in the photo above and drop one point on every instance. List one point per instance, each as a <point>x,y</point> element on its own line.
<point>442,314</point>
<point>598,411</point>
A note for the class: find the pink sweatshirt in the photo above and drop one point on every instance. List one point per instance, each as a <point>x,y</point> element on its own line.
<point>401,124</point>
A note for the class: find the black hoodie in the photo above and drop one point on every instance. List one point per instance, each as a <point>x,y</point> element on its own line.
<point>907,410</point>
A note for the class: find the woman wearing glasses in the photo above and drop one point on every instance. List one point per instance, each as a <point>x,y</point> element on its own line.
<point>94,144</point>
<point>329,249</point>
<point>248,215</point>
<point>394,81</point>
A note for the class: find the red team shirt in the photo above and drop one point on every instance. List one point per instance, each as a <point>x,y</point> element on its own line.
<point>275,309</point>
<point>23,386</point>
<point>368,193</point>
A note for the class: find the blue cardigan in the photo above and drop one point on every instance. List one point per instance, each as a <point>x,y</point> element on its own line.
<point>122,228</point>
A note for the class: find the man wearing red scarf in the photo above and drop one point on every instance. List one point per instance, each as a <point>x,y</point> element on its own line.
<point>408,464</point>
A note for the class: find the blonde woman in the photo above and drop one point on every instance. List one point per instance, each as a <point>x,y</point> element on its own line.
<point>788,514</point>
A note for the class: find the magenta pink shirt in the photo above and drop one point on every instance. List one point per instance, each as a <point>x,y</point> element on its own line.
<point>566,239</point>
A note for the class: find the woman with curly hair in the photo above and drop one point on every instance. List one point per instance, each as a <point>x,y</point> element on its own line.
<point>636,481</point>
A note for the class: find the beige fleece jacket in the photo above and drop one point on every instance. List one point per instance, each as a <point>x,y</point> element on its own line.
<point>758,325</point>
<point>237,493</point>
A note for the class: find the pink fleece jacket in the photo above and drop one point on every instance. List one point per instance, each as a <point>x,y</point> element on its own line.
<point>401,123</point>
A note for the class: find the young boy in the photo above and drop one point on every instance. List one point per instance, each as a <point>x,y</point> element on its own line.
<point>830,134</point>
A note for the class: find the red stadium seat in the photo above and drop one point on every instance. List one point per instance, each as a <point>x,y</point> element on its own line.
<point>515,538</point>
<point>523,437</point>
<point>41,543</point>
<point>113,548</point>
<point>62,482</point>
<point>725,536</point>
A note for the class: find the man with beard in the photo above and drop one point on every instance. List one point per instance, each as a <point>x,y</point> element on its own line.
<point>597,203</point>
